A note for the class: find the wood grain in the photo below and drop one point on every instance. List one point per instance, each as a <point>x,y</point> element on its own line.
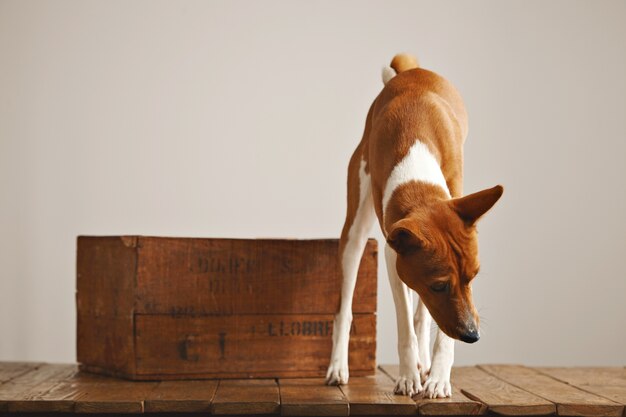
<point>24,392</point>
<point>105,294</point>
<point>587,375</point>
<point>250,345</point>
<point>84,393</point>
<point>59,398</point>
<point>99,394</point>
<point>11,370</point>
<point>373,395</point>
<point>105,273</point>
<point>246,396</point>
<point>311,397</point>
<point>380,377</point>
<point>457,404</point>
<point>181,396</point>
<point>247,276</point>
<point>43,389</point>
<point>500,397</point>
<point>605,382</point>
<point>129,285</point>
<point>106,343</point>
<point>569,400</point>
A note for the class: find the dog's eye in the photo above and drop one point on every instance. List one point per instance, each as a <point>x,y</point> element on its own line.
<point>440,286</point>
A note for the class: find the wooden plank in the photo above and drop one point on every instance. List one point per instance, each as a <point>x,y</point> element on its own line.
<point>246,396</point>
<point>99,394</point>
<point>373,395</point>
<point>500,397</point>
<point>587,375</point>
<point>380,377</point>
<point>311,397</point>
<point>11,370</point>
<point>78,392</point>
<point>248,346</point>
<point>247,276</point>
<point>23,392</point>
<point>457,404</point>
<point>605,382</point>
<point>181,396</point>
<point>59,398</point>
<point>570,401</point>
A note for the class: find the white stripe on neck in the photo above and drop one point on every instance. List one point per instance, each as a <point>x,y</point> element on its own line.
<point>419,164</point>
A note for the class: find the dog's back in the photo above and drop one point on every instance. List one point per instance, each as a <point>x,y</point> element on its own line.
<point>415,105</point>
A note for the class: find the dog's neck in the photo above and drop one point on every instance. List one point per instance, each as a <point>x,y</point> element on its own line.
<point>415,183</point>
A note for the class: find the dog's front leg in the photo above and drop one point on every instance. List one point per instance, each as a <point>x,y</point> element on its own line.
<point>438,383</point>
<point>422,322</point>
<point>409,381</point>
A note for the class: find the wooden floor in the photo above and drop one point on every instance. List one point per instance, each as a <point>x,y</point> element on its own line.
<point>486,389</point>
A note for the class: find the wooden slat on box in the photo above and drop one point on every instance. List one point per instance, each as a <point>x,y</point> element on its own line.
<point>570,401</point>
<point>246,396</point>
<point>269,346</point>
<point>244,276</point>
<point>181,396</point>
<point>105,285</point>
<point>107,343</point>
<point>311,397</point>
<point>373,395</point>
<point>457,404</point>
<point>23,393</point>
<point>606,382</point>
<point>499,396</point>
<point>11,370</point>
<point>105,272</point>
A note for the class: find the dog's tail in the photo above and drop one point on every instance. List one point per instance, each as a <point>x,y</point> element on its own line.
<point>399,63</point>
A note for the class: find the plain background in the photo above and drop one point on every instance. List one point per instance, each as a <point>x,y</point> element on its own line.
<point>237,119</point>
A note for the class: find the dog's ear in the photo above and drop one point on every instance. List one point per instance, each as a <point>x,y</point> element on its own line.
<point>404,236</point>
<point>471,207</point>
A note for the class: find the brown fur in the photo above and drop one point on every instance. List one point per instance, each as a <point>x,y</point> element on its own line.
<point>435,237</point>
<point>403,62</point>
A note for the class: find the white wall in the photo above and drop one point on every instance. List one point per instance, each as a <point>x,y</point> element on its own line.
<point>231,118</point>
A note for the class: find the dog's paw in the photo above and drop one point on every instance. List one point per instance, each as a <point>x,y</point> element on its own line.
<point>337,373</point>
<point>408,384</point>
<point>437,387</point>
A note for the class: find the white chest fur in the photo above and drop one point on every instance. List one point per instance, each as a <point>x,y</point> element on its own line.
<point>419,164</point>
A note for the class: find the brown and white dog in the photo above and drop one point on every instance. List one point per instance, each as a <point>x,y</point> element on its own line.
<point>407,171</point>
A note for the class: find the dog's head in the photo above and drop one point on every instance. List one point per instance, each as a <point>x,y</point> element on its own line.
<point>438,257</point>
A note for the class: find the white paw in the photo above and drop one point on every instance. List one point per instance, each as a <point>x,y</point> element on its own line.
<point>437,387</point>
<point>408,384</point>
<point>337,373</point>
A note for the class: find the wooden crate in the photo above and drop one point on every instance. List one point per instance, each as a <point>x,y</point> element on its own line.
<point>153,308</point>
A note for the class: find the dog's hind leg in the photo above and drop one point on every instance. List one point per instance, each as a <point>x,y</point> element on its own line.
<point>359,219</point>
<point>422,322</point>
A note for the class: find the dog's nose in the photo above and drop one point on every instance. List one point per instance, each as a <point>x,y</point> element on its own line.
<point>470,336</point>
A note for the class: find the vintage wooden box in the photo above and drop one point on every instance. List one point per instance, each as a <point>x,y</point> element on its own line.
<point>183,308</point>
